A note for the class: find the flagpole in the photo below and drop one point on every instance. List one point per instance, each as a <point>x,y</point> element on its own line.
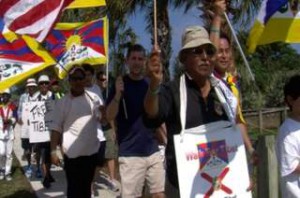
<point>239,47</point>
<point>123,99</point>
<point>155,22</point>
<point>107,79</point>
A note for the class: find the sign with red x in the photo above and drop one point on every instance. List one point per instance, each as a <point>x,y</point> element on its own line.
<point>211,163</point>
<point>216,183</point>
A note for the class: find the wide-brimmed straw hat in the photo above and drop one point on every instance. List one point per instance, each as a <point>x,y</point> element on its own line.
<point>195,36</point>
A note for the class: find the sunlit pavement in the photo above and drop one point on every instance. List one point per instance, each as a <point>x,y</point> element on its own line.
<point>58,188</point>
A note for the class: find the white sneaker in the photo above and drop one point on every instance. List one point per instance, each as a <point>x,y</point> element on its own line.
<point>28,172</point>
<point>8,177</point>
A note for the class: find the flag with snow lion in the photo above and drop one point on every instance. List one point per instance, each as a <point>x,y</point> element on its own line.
<point>78,43</point>
<point>20,59</point>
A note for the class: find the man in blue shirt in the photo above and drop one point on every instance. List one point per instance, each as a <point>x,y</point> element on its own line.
<point>139,157</point>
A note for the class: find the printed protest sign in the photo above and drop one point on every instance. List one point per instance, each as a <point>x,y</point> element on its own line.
<point>39,119</point>
<point>211,162</point>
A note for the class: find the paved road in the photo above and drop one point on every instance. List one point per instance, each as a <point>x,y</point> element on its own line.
<point>58,188</point>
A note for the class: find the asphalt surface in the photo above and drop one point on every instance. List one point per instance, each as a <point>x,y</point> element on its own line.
<point>58,188</point>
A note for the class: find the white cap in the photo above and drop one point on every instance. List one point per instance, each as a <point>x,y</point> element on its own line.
<point>43,78</point>
<point>6,91</point>
<point>31,82</point>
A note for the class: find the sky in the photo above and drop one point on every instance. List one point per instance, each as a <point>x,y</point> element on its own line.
<point>179,21</point>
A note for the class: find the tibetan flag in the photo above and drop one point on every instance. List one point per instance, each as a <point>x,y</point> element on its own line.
<point>278,20</point>
<point>20,59</point>
<point>77,43</point>
<point>86,4</point>
<point>33,18</point>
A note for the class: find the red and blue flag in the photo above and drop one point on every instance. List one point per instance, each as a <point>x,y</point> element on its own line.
<point>212,153</point>
<point>20,59</point>
<point>77,43</point>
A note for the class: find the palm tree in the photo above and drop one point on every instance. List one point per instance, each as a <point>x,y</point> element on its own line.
<point>163,23</point>
<point>240,13</point>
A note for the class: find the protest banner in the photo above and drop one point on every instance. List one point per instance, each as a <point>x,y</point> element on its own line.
<point>39,119</point>
<point>211,162</point>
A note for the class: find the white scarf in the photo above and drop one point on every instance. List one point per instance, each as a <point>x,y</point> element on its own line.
<point>228,100</point>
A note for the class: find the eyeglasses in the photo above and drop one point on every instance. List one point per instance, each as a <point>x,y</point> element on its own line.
<point>209,51</point>
<point>77,78</point>
<point>43,83</point>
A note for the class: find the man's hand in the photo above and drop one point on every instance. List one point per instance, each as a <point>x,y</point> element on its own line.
<point>154,68</point>
<point>219,7</point>
<point>55,159</point>
<point>252,184</point>
<point>119,85</point>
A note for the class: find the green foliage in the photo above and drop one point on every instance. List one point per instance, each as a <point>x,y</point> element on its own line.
<point>125,37</point>
<point>83,14</point>
<point>178,68</point>
<point>272,65</point>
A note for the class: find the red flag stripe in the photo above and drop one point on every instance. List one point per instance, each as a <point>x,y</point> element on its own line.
<point>5,5</point>
<point>33,15</point>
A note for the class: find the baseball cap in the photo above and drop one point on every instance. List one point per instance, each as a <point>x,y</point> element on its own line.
<point>7,91</point>
<point>75,68</point>
<point>195,36</point>
<point>31,82</point>
<point>43,78</point>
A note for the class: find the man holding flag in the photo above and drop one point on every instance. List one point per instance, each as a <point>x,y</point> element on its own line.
<point>224,59</point>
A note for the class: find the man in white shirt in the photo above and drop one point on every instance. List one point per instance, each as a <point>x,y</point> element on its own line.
<point>288,142</point>
<point>77,116</point>
<point>94,88</point>
<point>8,117</point>
<point>26,145</point>
<point>43,148</point>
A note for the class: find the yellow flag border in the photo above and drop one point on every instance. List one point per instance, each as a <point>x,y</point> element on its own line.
<point>92,61</point>
<point>86,4</point>
<point>39,51</point>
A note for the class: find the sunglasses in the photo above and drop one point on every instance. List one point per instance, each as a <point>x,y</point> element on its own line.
<point>209,51</point>
<point>44,83</point>
<point>77,78</point>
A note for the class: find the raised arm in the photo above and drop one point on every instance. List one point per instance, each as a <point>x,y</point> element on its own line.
<point>219,9</point>
<point>113,107</point>
<point>154,70</point>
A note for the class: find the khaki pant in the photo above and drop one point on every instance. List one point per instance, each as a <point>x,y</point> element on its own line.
<point>135,171</point>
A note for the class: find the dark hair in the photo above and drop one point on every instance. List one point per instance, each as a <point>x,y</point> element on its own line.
<point>88,67</point>
<point>292,87</point>
<point>75,68</point>
<point>98,74</point>
<point>135,48</point>
<point>223,35</point>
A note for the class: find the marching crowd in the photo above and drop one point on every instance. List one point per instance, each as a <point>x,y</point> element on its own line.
<point>133,125</point>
